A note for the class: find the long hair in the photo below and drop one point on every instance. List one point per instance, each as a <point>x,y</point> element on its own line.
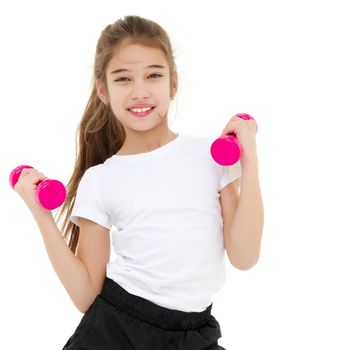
<point>99,134</point>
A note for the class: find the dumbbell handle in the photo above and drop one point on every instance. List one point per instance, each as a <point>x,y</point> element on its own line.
<point>49,193</point>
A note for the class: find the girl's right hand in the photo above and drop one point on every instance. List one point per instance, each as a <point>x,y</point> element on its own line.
<point>26,186</point>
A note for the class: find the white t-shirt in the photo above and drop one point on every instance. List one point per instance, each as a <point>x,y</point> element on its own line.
<point>165,208</point>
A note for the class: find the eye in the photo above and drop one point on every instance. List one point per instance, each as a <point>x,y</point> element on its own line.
<point>158,75</point>
<point>155,75</point>
<point>121,79</point>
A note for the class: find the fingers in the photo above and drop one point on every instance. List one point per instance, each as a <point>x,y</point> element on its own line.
<point>239,121</point>
<point>29,176</point>
<point>236,125</point>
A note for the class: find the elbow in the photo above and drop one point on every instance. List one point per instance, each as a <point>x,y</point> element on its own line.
<point>82,306</point>
<point>243,264</point>
<point>82,309</point>
<point>85,301</point>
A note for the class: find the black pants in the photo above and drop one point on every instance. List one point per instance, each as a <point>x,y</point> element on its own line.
<point>119,320</point>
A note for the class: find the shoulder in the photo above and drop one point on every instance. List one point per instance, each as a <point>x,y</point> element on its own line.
<point>196,145</point>
<point>200,141</point>
<point>92,174</point>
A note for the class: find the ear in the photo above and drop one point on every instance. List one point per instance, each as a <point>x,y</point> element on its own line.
<point>173,88</point>
<point>101,91</point>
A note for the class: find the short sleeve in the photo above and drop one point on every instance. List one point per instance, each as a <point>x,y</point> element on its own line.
<point>88,202</point>
<point>229,174</point>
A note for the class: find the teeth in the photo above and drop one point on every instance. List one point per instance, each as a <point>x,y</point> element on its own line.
<point>139,110</point>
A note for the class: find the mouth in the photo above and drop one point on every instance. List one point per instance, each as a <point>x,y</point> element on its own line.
<point>140,112</point>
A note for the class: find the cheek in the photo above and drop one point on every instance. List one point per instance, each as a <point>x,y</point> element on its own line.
<point>118,98</point>
<point>163,92</point>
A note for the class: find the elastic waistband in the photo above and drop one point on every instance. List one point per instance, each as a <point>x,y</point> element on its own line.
<point>152,313</point>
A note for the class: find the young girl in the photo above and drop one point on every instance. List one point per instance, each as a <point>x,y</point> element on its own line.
<point>175,209</point>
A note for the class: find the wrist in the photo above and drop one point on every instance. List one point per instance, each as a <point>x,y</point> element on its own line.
<point>251,158</point>
<point>40,214</point>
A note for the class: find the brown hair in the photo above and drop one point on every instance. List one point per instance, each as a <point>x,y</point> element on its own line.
<point>100,134</point>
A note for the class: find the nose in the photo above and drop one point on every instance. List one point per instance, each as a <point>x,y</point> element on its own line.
<point>139,90</point>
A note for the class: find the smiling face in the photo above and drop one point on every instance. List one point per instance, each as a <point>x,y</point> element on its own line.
<point>138,74</point>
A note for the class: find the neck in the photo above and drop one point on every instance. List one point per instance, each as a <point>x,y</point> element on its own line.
<point>145,143</point>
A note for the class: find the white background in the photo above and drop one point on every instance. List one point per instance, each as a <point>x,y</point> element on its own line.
<point>284,62</point>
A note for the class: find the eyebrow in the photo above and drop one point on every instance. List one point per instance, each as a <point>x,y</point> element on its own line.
<point>127,70</point>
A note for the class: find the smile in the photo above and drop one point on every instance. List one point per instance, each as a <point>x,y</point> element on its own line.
<point>141,112</point>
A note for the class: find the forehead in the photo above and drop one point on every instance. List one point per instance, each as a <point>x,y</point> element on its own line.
<point>136,56</point>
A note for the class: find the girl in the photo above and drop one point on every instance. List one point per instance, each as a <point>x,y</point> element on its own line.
<point>175,209</point>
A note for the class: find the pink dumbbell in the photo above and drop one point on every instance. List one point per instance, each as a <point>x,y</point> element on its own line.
<point>50,194</point>
<point>226,149</point>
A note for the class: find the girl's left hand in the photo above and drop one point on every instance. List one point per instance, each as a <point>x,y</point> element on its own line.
<point>245,131</point>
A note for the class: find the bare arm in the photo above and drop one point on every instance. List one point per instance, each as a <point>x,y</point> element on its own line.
<point>243,215</point>
<point>81,285</point>
<point>69,268</point>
